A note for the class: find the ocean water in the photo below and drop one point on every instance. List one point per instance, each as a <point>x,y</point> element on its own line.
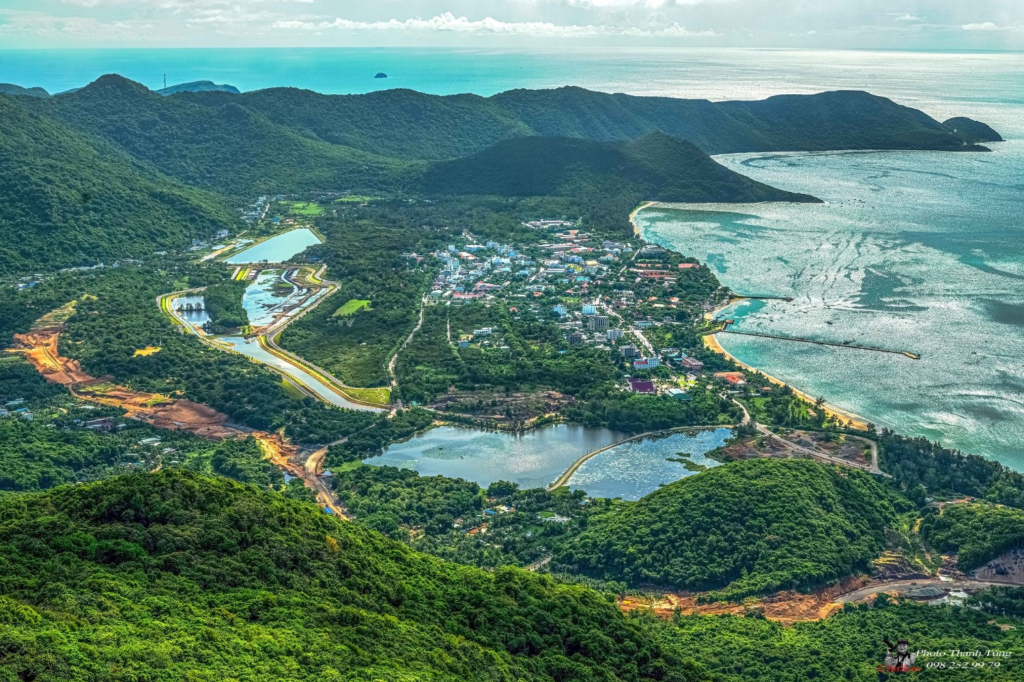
<point>920,252</point>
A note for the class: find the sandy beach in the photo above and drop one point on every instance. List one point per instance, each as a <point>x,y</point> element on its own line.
<point>711,342</point>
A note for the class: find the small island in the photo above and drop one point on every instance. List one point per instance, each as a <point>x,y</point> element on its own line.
<point>381,74</point>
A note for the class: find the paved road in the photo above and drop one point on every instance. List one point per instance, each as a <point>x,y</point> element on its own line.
<point>903,586</point>
<point>873,468</point>
<point>394,358</point>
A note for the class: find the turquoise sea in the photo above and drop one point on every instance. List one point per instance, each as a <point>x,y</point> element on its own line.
<point>915,251</point>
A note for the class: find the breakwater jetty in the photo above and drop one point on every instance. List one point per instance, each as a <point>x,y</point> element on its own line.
<point>725,330</point>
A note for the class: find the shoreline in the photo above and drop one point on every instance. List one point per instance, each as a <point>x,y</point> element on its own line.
<point>852,419</point>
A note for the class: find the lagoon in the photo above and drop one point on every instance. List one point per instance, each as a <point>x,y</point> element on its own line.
<point>533,459</point>
<point>277,249</point>
<point>637,468</point>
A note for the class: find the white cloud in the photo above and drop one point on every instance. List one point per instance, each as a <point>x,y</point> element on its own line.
<point>449,22</point>
<point>986,26</point>
<point>907,17</point>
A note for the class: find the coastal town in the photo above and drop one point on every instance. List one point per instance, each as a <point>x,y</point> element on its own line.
<point>625,298</point>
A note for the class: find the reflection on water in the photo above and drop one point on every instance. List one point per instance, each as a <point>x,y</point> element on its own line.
<point>634,469</point>
<point>276,249</point>
<point>195,317</point>
<point>532,460</point>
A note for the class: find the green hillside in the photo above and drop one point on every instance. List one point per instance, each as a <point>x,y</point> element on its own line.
<point>229,148</point>
<point>71,200</point>
<point>655,166</point>
<point>173,576</point>
<point>977,533</point>
<point>742,528</point>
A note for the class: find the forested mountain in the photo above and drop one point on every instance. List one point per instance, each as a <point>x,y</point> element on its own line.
<point>87,173</point>
<point>198,86</point>
<point>12,89</point>
<point>174,576</point>
<point>69,199</point>
<point>229,148</point>
<point>971,131</point>
<point>413,125</point>
<point>745,528</point>
<point>655,166</point>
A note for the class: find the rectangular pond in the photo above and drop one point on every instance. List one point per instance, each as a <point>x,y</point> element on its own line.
<point>277,249</point>
<point>640,467</point>
<point>533,460</point>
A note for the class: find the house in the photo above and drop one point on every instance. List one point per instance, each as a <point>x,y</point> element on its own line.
<point>678,394</point>
<point>628,352</point>
<point>102,424</point>
<point>641,386</point>
<point>597,323</point>
<point>483,331</point>
<point>691,364</point>
<point>463,344</point>
<point>734,378</point>
<point>560,310</point>
<point>14,403</point>
<point>646,363</point>
<point>614,334</point>
<point>589,309</point>
<point>575,339</point>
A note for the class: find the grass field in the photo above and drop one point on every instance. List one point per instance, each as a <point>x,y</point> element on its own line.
<point>305,208</point>
<point>148,350</point>
<point>377,396</point>
<point>291,390</point>
<point>354,199</point>
<point>351,307</point>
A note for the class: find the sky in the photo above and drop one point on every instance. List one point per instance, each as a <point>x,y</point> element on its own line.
<point>853,24</point>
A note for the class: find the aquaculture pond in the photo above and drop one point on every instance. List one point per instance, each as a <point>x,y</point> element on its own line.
<point>640,467</point>
<point>533,460</point>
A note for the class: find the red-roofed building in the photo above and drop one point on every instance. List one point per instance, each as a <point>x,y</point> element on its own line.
<point>640,386</point>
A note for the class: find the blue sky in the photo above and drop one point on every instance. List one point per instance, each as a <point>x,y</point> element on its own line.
<point>883,24</point>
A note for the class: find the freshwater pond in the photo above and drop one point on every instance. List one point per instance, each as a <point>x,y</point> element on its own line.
<point>196,317</point>
<point>640,467</point>
<point>533,460</point>
<point>276,249</point>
